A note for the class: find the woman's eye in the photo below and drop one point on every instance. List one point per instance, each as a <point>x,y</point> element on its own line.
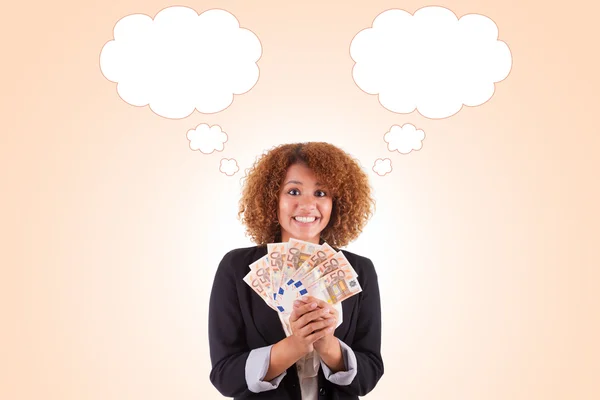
<point>320,193</point>
<point>293,191</point>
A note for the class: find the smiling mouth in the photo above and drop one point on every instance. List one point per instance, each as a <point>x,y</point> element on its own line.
<point>306,220</point>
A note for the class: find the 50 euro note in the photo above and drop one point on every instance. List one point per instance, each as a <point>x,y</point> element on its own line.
<point>277,253</point>
<point>334,262</point>
<point>259,279</point>
<point>298,251</point>
<point>324,252</point>
<point>337,285</point>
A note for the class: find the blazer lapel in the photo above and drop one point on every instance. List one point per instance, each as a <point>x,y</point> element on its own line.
<point>348,306</point>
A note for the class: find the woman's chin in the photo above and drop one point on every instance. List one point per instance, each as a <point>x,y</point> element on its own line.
<point>307,232</point>
<point>304,236</point>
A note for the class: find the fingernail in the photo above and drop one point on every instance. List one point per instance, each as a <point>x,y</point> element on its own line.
<point>326,311</point>
<point>313,305</point>
<point>330,329</point>
<point>297,303</point>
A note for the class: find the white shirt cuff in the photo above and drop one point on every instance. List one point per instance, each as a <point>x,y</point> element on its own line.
<point>342,378</point>
<point>257,366</point>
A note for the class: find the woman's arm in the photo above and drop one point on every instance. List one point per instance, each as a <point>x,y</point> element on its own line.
<point>367,339</point>
<point>229,350</point>
<point>284,354</point>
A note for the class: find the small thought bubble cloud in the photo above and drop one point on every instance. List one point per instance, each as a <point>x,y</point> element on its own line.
<point>181,61</point>
<point>404,139</point>
<point>207,139</point>
<point>229,166</point>
<point>382,166</point>
<point>430,61</point>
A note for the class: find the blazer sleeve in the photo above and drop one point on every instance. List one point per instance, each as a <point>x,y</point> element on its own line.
<point>367,339</point>
<point>229,350</point>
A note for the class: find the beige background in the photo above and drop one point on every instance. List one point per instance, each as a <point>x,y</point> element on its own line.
<point>485,241</point>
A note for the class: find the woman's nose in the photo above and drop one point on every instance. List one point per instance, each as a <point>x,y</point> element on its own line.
<point>307,202</point>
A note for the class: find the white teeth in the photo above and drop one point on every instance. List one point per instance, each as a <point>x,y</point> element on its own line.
<point>305,219</point>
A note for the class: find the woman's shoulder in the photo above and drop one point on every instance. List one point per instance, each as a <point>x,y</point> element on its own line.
<point>361,264</point>
<point>238,260</point>
<point>246,252</point>
<point>357,258</point>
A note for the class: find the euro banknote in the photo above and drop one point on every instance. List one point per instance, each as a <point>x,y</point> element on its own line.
<point>331,277</point>
<point>277,253</point>
<point>298,252</point>
<point>337,285</point>
<point>324,252</point>
<point>330,264</point>
<point>259,279</point>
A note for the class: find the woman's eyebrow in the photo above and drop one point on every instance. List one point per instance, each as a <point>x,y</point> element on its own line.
<point>300,183</point>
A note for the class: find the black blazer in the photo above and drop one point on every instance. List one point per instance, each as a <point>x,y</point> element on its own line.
<point>239,320</point>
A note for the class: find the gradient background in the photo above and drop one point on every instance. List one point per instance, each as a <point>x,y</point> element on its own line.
<point>485,240</point>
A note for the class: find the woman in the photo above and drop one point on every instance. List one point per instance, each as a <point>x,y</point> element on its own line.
<point>317,193</point>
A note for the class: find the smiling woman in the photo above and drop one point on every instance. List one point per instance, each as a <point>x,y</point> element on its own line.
<point>317,193</point>
<point>306,171</point>
<point>304,205</point>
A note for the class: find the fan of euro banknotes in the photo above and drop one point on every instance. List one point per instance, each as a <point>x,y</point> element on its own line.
<point>296,268</point>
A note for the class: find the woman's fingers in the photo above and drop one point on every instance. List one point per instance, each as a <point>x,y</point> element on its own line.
<point>310,323</point>
<point>306,320</point>
<point>313,315</point>
<point>312,319</point>
<point>311,299</point>
<point>316,335</point>
<point>306,300</point>
<point>298,312</point>
<point>299,320</point>
<point>315,326</point>
<point>324,304</point>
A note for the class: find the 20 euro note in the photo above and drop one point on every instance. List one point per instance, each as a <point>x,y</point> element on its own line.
<point>337,285</point>
<point>334,262</point>
<point>298,252</point>
<point>277,253</point>
<point>323,253</point>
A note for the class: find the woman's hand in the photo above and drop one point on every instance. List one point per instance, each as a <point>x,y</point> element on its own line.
<point>328,340</point>
<point>328,347</point>
<point>309,323</point>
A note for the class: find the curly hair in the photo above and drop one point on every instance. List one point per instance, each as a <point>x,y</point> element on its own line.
<point>337,170</point>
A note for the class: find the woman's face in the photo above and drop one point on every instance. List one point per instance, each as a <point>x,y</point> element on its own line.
<point>302,196</point>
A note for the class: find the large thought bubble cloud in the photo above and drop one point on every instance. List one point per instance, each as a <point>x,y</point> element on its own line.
<point>432,61</point>
<point>181,61</point>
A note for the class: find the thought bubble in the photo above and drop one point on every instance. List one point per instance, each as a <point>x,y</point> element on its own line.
<point>404,139</point>
<point>181,61</point>
<point>207,139</point>
<point>382,166</point>
<point>229,166</point>
<point>432,61</point>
